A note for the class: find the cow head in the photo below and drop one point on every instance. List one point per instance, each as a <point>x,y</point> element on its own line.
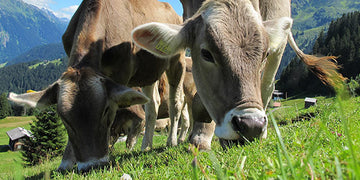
<point>87,103</point>
<point>229,45</point>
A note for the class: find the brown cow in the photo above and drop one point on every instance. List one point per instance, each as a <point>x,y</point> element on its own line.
<point>102,59</point>
<point>236,47</point>
<point>130,122</point>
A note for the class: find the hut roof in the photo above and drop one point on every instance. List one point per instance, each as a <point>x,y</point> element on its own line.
<point>310,100</point>
<point>18,133</point>
<point>277,93</point>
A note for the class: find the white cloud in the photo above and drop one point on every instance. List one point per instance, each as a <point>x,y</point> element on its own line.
<point>40,3</point>
<point>70,9</point>
<point>66,12</point>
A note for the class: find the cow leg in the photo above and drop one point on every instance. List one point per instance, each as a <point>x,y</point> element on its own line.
<point>202,135</point>
<point>151,111</point>
<point>68,161</point>
<point>185,124</point>
<point>175,74</point>
<point>203,127</point>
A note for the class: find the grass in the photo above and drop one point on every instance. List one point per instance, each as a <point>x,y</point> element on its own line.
<point>44,63</point>
<point>10,160</point>
<point>3,65</point>
<point>323,146</point>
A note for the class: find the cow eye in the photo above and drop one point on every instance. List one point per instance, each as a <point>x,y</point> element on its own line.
<point>206,55</point>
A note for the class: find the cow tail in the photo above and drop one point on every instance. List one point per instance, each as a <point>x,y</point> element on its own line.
<point>325,68</point>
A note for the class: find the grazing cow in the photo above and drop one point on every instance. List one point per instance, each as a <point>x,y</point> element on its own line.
<point>102,61</point>
<point>236,47</point>
<point>128,121</point>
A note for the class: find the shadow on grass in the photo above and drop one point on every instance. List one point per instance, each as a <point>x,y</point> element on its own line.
<point>42,175</point>
<point>115,158</point>
<point>120,157</point>
<point>4,148</point>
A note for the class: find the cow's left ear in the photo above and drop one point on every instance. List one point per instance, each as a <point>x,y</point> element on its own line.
<point>278,31</point>
<point>40,99</point>
<point>162,40</point>
<point>124,96</point>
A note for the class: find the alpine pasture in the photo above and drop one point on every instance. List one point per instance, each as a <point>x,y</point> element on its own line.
<point>321,142</point>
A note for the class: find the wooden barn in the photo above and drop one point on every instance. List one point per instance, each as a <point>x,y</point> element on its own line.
<point>17,137</point>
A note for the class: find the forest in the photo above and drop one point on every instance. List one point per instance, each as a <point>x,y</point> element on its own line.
<point>19,78</point>
<point>341,40</point>
<point>34,75</point>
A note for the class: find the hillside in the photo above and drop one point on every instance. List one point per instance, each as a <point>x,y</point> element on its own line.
<point>310,17</point>
<point>23,26</point>
<point>42,52</point>
<point>341,40</point>
<point>34,75</point>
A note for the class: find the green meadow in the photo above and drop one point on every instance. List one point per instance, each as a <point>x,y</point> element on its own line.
<point>322,142</point>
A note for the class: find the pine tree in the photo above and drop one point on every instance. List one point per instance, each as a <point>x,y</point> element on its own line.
<point>5,108</point>
<point>48,138</point>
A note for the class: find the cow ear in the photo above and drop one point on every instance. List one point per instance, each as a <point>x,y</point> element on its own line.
<point>162,40</point>
<point>124,96</point>
<point>278,30</point>
<point>40,99</point>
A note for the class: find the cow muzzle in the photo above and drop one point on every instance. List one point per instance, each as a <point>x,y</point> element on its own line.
<point>93,164</point>
<point>242,125</point>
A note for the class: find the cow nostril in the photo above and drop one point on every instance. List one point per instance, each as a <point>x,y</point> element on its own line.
<point>249,127</point>
<point>239,125</point>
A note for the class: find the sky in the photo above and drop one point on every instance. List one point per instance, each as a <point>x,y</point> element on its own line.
<point>66,8</point>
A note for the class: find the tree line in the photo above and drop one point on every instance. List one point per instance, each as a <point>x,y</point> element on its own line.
<point>26,76</point>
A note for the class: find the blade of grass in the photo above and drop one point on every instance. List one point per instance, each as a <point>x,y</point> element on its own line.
<point>344,120</point>
<point>243,159</point>
<point>314,146</point>
<point>216,164</point>
<point>338,169</point>
<point>280,162</point>
<point>195,173</point>
<point>282,145</point>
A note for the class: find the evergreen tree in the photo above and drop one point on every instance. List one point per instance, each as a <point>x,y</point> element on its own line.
<point>48,138</point>
<point>5,108</point>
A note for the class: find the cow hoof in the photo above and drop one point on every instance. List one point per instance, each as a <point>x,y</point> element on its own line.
<point>180,141</point>
<point>171,142</point>
<point>201,143</point>
<point>66,165</point>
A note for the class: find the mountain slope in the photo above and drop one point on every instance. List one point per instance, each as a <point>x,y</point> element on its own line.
<point>42,52</point>
<point>310,17</point>
<point>35,75</point>
<point>342,40</point>
<point>23,26</point>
